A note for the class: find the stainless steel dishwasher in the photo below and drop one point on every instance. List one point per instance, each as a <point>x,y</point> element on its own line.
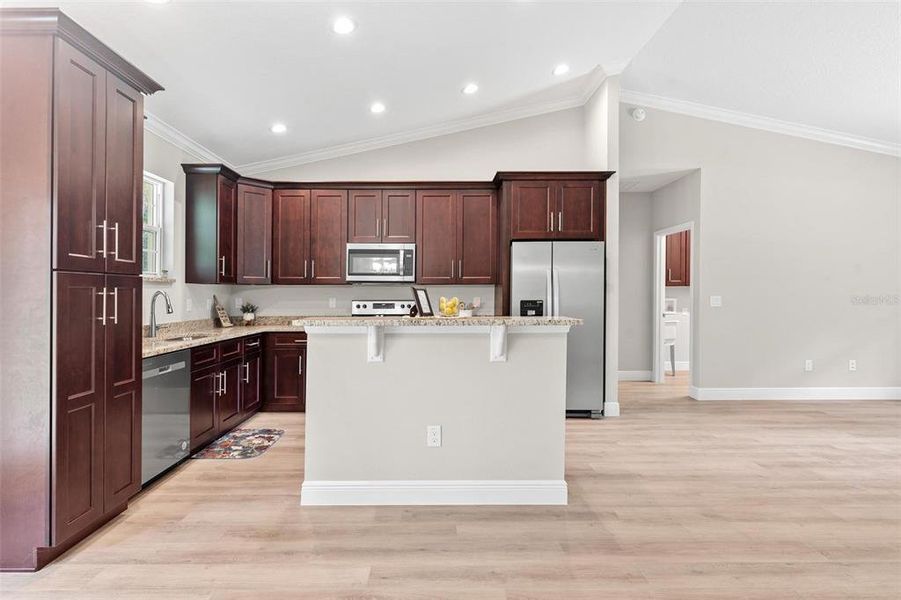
<point>166,418</point>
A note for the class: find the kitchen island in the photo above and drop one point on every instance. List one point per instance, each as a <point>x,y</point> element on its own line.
<point>377,389</point>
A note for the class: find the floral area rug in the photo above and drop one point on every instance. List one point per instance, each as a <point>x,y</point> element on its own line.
<point>241,443</point>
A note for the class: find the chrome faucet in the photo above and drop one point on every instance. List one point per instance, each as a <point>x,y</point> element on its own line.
<point>169,310</point>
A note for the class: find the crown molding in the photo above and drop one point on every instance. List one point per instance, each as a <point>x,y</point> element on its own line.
<point>733,117</point>
<point>167,132</point>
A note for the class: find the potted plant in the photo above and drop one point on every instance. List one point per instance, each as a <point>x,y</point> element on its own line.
<point>249,311</point>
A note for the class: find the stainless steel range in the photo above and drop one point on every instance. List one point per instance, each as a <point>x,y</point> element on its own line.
<point>380,308</point>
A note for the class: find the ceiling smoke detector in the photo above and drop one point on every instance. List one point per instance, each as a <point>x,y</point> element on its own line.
<point>639,114</point>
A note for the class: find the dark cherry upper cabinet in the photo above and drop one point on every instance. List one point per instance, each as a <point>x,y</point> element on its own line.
<point>364,216</point>
<point>579,211</point>
<point>122,412</point>
<point>678,259</point>
<point>436,232</point>
<point>80,392</point>
<point>254,226</point>
<point>398,216</point>
<point>211,199</point>
<point>205,386</point>
<point>124,176</point>
<point>457,233</point>
<point>533,204</point>
<point>387,216</point>
<point>290,236</point>
<point>79,152</point>
<point>285,372</point>
<point>476,237</point>
<point>328,236</point>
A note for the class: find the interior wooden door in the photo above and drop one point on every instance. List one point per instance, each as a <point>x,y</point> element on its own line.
<point>532,205</point>
<point>124,176</point>
<point>226,242</point>
<point>328,236</point>
<point>205,384</point>
<point>436,232</point>
<point>254,234</point>
<point>398,216</point>
<point>290,236</point>
<point>578,211</point>
<point>364,216</point>
<point>80,339</point>
<point>79,155</point>
<point>122,411</point>
<point>477,237</point>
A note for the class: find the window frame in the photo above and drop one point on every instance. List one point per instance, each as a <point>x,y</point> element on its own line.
<point>158,226</point>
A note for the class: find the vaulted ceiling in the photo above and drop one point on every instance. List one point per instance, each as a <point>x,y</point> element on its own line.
<point>232,69</point>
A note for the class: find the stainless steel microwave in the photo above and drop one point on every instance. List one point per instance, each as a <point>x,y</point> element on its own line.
<point>381,262</point>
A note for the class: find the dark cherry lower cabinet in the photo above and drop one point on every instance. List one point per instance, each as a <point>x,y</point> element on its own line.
<point>225,387</point>
<point>457,233</point>
<point>98,399</point>
<point>285,378</point>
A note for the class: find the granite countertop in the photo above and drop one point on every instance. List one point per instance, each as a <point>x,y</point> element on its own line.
<point>191,334</point>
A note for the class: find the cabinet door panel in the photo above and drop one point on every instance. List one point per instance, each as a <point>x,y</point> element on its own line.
<point>122,412</point>
<point>290,236</point>
<point>80,351</point>
<point>228,401</point>
<point>579,211</point>
<point>124,175</point>
<point>477,237</point>
<point>251,394</point>
<point>285,379</point>
<point>254,234</point>
<point>204,384</point>
<point>398,216</point>
<point>226,212</point>
<point>79,125</point>
<point>436,232</point>
<point>364,216</point>
<point>532,205</point>
<point>328,235</point>
<point>677,258</point>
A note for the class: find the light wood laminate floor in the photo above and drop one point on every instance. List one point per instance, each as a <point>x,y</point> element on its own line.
<point>674,499</point>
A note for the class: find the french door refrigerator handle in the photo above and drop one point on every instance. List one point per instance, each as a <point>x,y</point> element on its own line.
<point>556,278</point>
<point>549,295</point>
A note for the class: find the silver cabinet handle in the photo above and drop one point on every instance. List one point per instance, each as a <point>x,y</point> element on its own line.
<point>300,365</point>
<point>669,274</point>
<point>217,385</point>
<point>560,221</point>
<point>312,268</point>
<point>304,268</point>
<point>253,344</point>
<point>378,232</point>
<point>548,226</point>
<point>224,383</point>
<point>116,241</point>
<point>247,372</point>
<point>552,222</point>
<point>298,341</point>
<point>222,268</point>
<point>385,227</point>
<point>452,269</point>
<point>115,295</point>
<point>102,317</point>
<point>268,268</point>
<point>102,228</point>
<point>460,268</point>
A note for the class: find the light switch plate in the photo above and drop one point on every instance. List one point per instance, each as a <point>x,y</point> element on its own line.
<point>716,301</point>
<point>332,302</point>
<point>189,305</point>
<point>852,365</point>
<point>808,365</point>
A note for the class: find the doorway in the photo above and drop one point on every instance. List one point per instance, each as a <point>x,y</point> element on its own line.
<point>672,343</point>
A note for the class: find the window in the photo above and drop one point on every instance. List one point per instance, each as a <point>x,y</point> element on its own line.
<point>156,247</point>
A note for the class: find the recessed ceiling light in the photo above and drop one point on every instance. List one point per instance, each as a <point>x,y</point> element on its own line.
<point>377,108</point>
<point>471,88</point>
<point>561,69</point>
<point>343,25</point>
<point>158,1</point>
<point>278,128</point>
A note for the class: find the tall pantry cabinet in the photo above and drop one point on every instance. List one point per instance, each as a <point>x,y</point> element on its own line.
<point>72,122</point>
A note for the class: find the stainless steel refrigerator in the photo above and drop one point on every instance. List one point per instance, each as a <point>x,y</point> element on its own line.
<point>567,279</point>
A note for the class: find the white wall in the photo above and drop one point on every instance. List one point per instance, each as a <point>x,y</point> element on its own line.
<point>636,259</point>
<point>554,141</point>
<point>794,232</point>
<point>164,160</point>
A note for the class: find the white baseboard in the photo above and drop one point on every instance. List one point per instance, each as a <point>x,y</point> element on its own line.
<point>611,409</point>
<point>634,375</point>
<point>797,393</point>
<point>433,492</point>
<point>681,365</point>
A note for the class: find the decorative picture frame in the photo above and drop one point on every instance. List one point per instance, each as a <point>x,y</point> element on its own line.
<point>423,303</point>
<point>221,313</point>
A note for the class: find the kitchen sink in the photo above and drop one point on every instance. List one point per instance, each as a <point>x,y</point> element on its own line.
<point>187,338</point>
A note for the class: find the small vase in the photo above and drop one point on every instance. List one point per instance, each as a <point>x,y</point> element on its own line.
<point>249,318</point>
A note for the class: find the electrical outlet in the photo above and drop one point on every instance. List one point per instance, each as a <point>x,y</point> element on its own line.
<point>852,365</point>
<point>238,302</point>
<point>209,304</point>
<point>433,436</point>
<point>808,365</point>
<point>332,302</point>
<point>189,305</point>
<point>716,301</point>
<point>476,302</point>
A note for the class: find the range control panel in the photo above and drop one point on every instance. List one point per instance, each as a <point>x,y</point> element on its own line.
<point>379,308</point>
